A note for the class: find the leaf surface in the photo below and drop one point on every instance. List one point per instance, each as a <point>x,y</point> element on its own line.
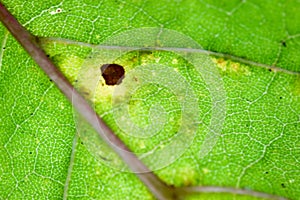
<point>41,155</point>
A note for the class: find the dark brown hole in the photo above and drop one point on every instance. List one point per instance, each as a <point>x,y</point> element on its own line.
<point>113,74</point>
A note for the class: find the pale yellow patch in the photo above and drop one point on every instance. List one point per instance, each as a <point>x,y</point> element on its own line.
<point>142,144</point>
<point>235,67</point>
<point>98,172</point>
<point>205,170</point>
<point>296,87</point>
<point>149,58</point>
<point>103,91</point>
<point>157,59</point>
<point>188,176</point>
<point>61,105</point>
<point>71,66</point>
<point>174,61</point>
<point>221,63</point>
<point>231,66</point>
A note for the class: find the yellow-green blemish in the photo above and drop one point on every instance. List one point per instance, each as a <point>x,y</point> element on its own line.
<point>292,180</point>
<point>188,176</point>
<point>103,92</point>
<point>231,66</point>
<point>205,170</point>
<point>71,66</point>
<point>157,60</point>
<point>98,172</point>
<point>61,105</point>
<point>174,61</point>
<point>296,86</point>
<point>142,144</point>
<point>221,63</point>
<point>145,59</point>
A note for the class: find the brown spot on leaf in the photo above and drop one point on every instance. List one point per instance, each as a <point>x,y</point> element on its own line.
<point>113,74</point>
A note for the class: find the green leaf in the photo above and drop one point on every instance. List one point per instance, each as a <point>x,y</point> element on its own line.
<point>41,155</point>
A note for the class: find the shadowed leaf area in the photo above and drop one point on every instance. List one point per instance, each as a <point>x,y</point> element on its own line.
<point>43,156</point>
